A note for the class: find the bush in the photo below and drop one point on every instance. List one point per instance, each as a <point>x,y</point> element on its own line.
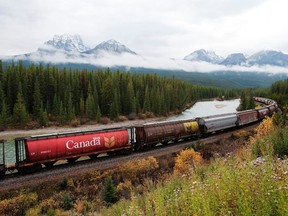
<point>142,116</point>
<point>121,118</point>
<point>67,202</point>
<point>132,116</point>
<point>186,162</point>
<point>104,120</point>
<point>136,171</point>
<point>280,143</point>
<point>18,205</point>
<point>109,193</point>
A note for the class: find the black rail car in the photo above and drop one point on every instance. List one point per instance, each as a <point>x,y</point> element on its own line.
<point>2,158</point>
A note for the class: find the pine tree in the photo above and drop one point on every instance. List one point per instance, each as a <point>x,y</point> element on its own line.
<point>20,115</point>
<point>90,108</point>
<point>37,100</point>
<point>4,116</point>
<point>147,104</point>
<point>107,96</point>
<point>109,195</point>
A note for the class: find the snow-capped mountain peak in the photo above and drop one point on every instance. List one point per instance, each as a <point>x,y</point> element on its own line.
<point>111,46</point>
<point>234,59</point>
<point>269,57</point>
<point>66,42</point>
<point>203,55</point>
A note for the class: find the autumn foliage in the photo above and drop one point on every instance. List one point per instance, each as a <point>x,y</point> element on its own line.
<point>186,162</point>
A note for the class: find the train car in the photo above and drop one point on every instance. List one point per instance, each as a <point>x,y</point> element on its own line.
<point>215,123</point>
<point>263,112</point>
<point>2,158</point>
<point>247,117</point>
<point>33,151</point>
<point>164,132</point>
<point>271,108</point>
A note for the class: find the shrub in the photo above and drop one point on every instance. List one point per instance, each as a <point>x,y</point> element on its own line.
<point>121,118</point>
<point>18,205</point>
<point>104,120</point>
<point>142,116</point>
<point>186,162</point>
<point>279,141</point>
<point>67,202</point>
<point>132,116</point>
<point>136,171</point>
<point>109,193</point>
<point>75,123</point>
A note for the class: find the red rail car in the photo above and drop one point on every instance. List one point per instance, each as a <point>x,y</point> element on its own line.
<point>47,149</point>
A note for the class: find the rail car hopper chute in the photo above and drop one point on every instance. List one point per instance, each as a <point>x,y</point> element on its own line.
<point>48,149</point>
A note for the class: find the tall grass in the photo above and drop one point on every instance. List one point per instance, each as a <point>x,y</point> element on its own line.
<point>256,184</point>
<point>229,188</point>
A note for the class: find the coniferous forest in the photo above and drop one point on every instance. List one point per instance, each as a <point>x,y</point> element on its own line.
<point>45,93</point>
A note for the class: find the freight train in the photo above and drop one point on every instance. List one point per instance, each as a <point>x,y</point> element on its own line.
<point>33,152</point>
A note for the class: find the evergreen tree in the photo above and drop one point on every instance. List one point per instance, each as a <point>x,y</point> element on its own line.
<point>146,105</point>
<point>70,115</point>
<point>109,195</point>
<point>107,96</point>
<point>114,112</point>
<point>20,115</point>
<point>37,100</point>
<point>90,108</point>
<point>4,116</point>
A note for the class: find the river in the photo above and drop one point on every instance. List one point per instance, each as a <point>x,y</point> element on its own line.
<point>199,109</point>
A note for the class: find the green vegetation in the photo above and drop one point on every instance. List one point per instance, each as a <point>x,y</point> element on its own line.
<point>47,94</point>
<point>242,185</point>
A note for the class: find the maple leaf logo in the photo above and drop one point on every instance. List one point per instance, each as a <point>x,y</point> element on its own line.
<point>109,142</point>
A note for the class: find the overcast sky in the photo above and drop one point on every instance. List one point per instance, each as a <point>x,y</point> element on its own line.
<point>157,28</point>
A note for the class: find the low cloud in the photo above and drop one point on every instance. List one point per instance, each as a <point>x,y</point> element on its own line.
<point>128,60</point>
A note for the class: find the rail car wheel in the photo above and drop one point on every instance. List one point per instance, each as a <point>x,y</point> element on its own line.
<point>72,160</point>
<point>164,142</point>
<point>2,174</point>
<point>113,153</point>
<point>29,169</point>
<point>93,156</point>
<point>49,164</point>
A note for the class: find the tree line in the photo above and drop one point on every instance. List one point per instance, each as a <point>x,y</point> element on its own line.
<point>45,93</point>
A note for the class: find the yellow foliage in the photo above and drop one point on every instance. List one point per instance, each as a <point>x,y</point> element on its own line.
<point>264,129</point>
<point>79,207</point>
<point>18,204</point>
<point>186,162</point>
<point>124,189</point>
<point>47,204</point>
<point>136,170</point>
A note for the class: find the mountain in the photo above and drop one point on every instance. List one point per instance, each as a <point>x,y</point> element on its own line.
<point>269,57</point>
<point>111,46</point>
<point>203,55</point>
<point>234,59</point>
<point>65,42</point>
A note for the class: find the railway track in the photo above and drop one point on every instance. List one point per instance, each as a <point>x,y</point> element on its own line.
<point>15,181</point>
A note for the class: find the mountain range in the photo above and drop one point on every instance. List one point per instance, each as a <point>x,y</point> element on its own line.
<point>199,67</point>
<point>70,48</point>
<point>267,57</point>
